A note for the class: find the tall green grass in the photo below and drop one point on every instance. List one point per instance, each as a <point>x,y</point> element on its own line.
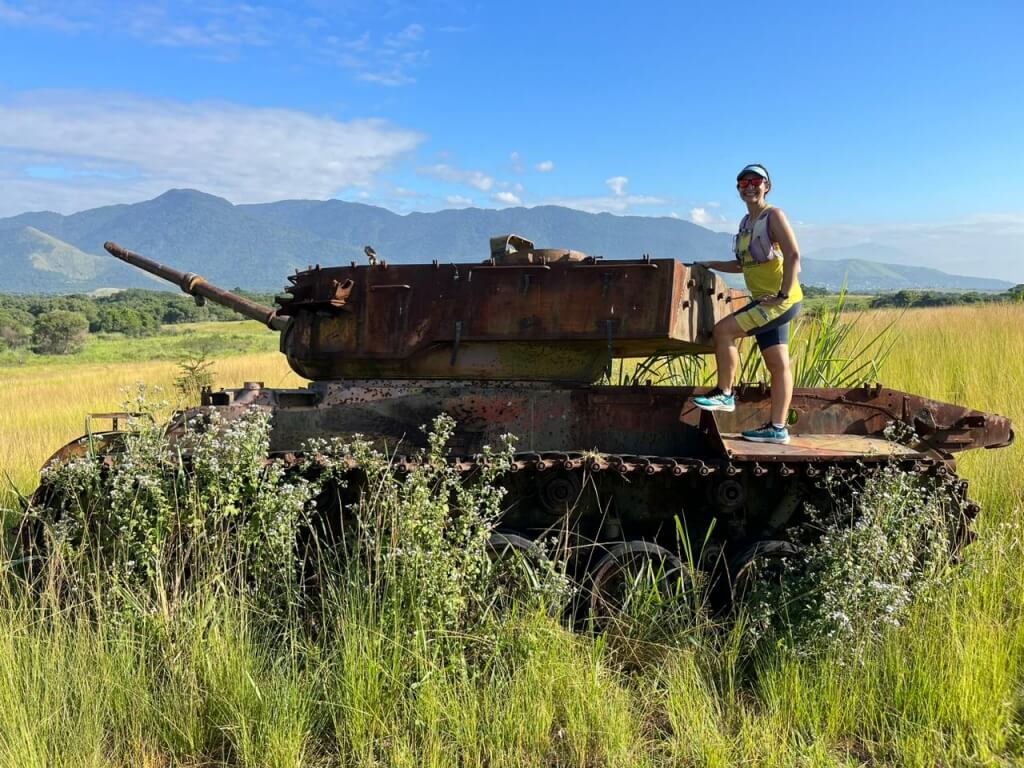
<point>162,592</point>
<point>219,678</point>
<point>46,399</point>
<point>829,347</point>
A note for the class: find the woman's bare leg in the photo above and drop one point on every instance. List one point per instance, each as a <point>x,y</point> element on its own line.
<point>777,360</point>
<point>727,330</point>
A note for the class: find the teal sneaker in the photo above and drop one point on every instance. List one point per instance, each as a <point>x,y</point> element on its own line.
<point>716,400</point>
<point>767,433</point>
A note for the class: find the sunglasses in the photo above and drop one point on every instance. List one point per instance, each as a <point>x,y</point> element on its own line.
<point>757,181</point>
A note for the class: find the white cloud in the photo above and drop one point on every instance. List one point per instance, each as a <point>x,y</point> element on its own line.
<point>216,24</point>
<point>617,184</point>
<point>507,198</point>
<point>412,33</point>
<point>387,61</point>
<point>516,160</point>
<point>700,216</point>
<point>450,173</point>
<point>710,219</point>
<point>545,166</point>
<point>30,15</point>
<point>221,29</point>
<point>405,192</point>
<point>618,202</point>
<point>605,204</point>
<point>458,201</point>
<point>74,150</point>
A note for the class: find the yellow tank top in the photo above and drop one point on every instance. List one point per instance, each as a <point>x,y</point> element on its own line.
<point>763,278</point>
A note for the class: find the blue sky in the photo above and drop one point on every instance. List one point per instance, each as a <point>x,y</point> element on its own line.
<point>892,123</point>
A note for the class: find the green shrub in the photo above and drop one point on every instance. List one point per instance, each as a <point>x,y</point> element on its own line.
<point>15,328</point>
<point>419,544</point>
<point>154,525</point>
<point>59,332</point>
<point>195,373</point>
<point>126,320</point>
<point>158,518</point>
<point>868,555</point>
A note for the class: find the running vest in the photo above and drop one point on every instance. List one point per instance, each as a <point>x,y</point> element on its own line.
<point>761,259</point>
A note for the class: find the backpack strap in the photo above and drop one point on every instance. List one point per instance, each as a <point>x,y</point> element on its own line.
<point>762,248</point>
<point>736,238</point>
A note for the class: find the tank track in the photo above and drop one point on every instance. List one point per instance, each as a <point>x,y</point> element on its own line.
<point>611,516</point>
<point>676,466</point>
<point>569,492</point>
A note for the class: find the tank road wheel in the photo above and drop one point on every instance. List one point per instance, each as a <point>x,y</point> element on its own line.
<point>517,562</point>
<point>558,492</point>
<point>730,494</point>
<point>762,560</point>
<point>32,535</point>
<point>628,572</point>
<point>29,535</point>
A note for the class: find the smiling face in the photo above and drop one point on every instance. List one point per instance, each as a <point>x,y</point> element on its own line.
<point>753,188</point>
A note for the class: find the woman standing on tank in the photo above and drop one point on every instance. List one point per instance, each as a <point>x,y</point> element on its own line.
<point>769,258</point>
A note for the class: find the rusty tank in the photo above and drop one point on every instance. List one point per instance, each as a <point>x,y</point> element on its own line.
<point>515,344</point>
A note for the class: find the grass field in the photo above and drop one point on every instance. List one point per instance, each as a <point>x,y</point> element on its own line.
<point>945,689</point>
<point>49,397</point>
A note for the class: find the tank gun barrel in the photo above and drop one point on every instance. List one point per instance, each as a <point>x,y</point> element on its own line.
<point>196,285</point>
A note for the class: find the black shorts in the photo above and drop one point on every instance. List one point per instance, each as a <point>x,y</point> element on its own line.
<point>774,332</point>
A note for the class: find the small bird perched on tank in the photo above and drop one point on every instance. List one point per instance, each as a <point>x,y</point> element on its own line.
<point>371,254</point>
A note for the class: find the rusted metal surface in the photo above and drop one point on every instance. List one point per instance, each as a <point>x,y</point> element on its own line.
<point>196,285</point>
<point>942,428</point>
<point>391,346</point>
<point>620,420</point>
<point>484,320</point>
<point>817,448</point>
<point>487,321</point>
<point>515,250</point>
<point>94,443</point>
<point>608,462</point>
<point>97,440</point>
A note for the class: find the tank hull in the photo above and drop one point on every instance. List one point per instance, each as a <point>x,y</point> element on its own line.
<point>601,464</point>
<point>642,420</point>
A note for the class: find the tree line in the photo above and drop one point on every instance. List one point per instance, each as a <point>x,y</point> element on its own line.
<point>60,325</point>
<point>944,298</point>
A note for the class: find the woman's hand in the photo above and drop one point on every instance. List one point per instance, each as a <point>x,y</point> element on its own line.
<point>771,301</point>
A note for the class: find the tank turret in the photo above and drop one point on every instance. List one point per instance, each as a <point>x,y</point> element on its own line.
<point>524,313</point>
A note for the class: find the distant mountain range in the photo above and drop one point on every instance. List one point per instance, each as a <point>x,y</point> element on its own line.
<point>256,246</point>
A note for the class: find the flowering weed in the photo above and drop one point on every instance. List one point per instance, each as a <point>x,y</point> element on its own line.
<point>882,542</point>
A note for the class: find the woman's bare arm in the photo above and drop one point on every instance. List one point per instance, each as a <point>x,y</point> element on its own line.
<point>782,233</point>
